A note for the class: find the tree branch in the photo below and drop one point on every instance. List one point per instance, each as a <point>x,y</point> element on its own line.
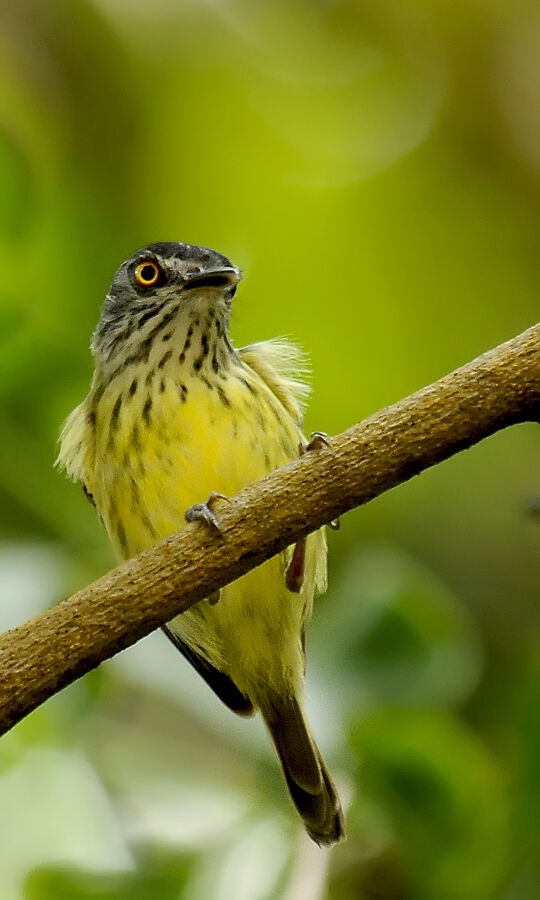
<point>498,389</point>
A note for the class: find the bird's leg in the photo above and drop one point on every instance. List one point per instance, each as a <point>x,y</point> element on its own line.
<point>204,512</point>
<point>317,441</point>
<point>294,577</point>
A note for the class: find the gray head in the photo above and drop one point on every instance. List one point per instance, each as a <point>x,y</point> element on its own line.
<point>159,280</point>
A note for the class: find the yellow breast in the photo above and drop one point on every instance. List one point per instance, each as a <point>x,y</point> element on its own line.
<point>166,442</point>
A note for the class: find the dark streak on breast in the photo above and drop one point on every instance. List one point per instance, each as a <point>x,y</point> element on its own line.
<point>135,438</point>
<point>148,525</point>
<point>121,533</point>
<point>223,396</point>
<point>135,494</point>
<point>166,356</point>
<point>116,411</point>
<point>146,410</point>
<point>248,385</point>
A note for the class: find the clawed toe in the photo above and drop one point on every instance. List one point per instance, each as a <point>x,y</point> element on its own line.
<point>317,440</point>
<point>204,512</point>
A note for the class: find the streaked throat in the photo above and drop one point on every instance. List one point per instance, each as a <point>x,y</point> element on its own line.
<point>160,338</point>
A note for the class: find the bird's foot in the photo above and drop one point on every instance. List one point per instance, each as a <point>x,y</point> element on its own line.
<point>204,512</point>
<point>318,440</point>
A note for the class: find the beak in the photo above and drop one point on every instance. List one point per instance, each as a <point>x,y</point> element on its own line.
<point>222,276</point>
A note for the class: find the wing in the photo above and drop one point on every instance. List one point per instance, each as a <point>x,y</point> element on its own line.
<point>77,446</point>
<point>220,683</point>
<point>283,367</point>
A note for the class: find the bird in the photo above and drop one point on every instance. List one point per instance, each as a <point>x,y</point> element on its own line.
<point>175,414</point>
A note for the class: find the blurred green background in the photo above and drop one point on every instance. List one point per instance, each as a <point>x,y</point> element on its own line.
<point>374,167</point>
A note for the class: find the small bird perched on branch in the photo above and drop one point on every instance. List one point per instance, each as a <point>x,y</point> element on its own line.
<point>176,414</point>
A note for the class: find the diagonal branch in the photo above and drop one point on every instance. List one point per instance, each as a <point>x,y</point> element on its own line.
<point>498,389</point>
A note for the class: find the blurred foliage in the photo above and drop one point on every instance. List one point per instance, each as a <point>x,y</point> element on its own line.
<point>374,167</point>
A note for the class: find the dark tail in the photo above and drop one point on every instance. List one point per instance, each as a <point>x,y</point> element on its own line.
<point>310,786</point>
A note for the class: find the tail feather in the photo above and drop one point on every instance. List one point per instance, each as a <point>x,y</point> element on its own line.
<point>310,786</point>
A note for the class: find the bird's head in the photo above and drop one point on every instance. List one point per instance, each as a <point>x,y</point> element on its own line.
<point>163,279</point>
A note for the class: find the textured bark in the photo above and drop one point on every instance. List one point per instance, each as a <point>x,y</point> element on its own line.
<point>498,389</point>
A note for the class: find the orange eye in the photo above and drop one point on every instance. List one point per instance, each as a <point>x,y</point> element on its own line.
<point>147,273</point>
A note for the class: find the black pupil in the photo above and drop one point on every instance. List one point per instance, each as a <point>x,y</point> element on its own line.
<point>148,272</point>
